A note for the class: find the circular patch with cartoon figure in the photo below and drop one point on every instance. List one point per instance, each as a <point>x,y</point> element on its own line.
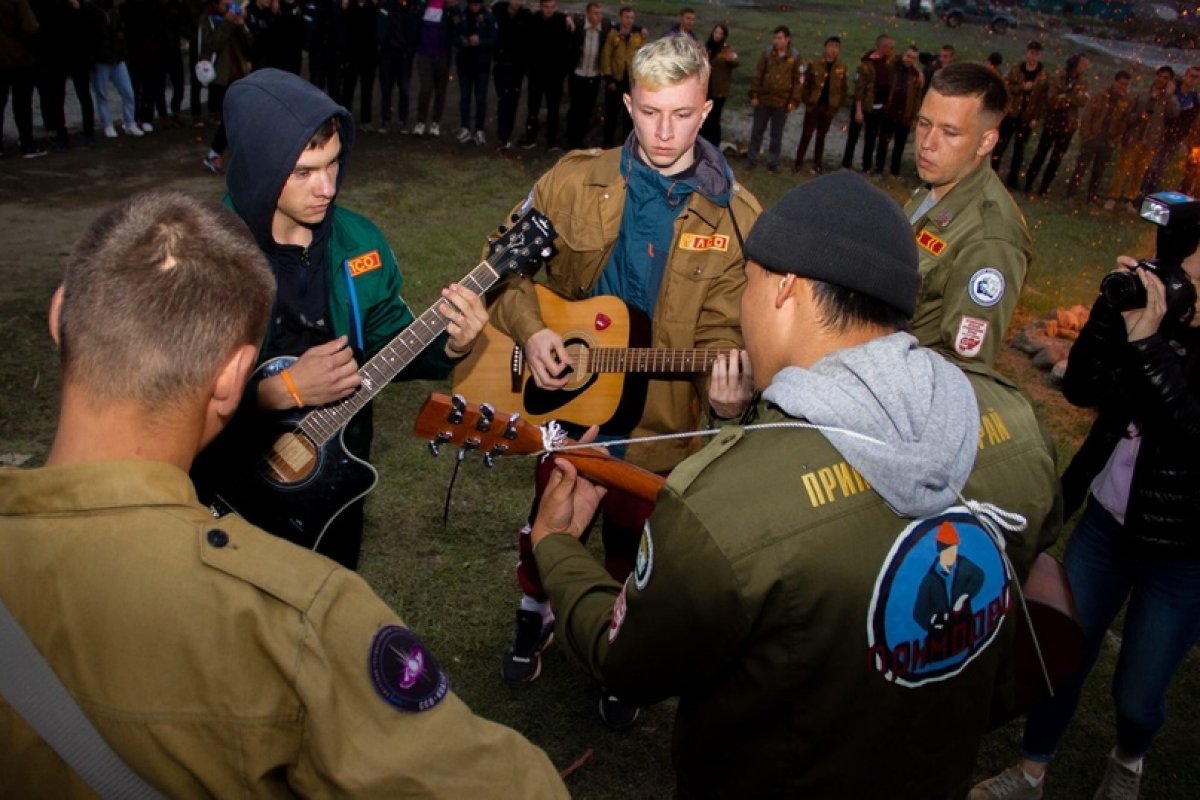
<point>404,672</point>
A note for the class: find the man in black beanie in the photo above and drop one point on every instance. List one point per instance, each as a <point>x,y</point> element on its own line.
<point>777,590</point>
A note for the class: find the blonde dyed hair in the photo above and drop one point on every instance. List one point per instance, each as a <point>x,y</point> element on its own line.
<point>157,294</point>
<point>669,61</point>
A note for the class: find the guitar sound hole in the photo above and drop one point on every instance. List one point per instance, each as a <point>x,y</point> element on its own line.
<point>290,459</point>
<point>577,375</point>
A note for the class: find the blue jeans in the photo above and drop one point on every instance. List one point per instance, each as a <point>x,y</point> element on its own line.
<point>118,75</point>
<point>1162,624</point>
<point>472,84</point>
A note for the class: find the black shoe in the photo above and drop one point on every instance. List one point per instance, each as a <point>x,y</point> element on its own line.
<point>773,168</point>
<point>616,714</point>
<point>522,662</point>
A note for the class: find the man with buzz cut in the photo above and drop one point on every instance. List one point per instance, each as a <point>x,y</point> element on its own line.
<point>658,223</point>
<point>782,586</point>
<point>210,658</point>
<point>974,245</point>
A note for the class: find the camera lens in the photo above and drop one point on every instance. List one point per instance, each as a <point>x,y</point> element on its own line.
<point>1123,291</point>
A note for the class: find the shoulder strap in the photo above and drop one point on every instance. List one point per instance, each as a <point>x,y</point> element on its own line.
<point>29,684</point>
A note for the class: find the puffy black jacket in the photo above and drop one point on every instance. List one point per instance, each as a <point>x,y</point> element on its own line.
<point>1156,382</point>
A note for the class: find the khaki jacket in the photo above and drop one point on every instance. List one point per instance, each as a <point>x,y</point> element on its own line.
<point>864,80</point>
<point>698,301</point>
<point>220,661</point>
<point>814,80</point>
<point>778,80</point>
<point>753,601</point>
<point>721,76</point>
<point>975,250</point>
<point>1106,106</point>
<point>904,111</point>
<point>1149,118</point>
<point>1066,102</point>
<point>616,56</point>
<point>1039,95</point>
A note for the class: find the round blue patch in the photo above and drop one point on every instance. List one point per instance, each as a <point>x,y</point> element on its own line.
<point>404,672</point>
<point>986,287</point>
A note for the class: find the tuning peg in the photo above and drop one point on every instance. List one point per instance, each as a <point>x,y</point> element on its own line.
<point>502,229</point>
<point>486,413</point>
<point>469,444</point>
<point>514,218</point>
<point>455,417</point>
<point>489,460</point>
<point>547,252</point>
<point>435,444</point>
<point>510,430</point>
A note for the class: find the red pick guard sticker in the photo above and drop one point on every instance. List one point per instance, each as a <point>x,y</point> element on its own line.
<point>603,321</point>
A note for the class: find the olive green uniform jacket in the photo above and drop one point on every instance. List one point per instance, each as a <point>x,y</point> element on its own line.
<point>217,660</point>
<point>1105,118</point>
<point>814,81</point>
<point>698,301</point>
<point>778,80</point>
<point>616,56</point>
<point>975,251</point>
<point>1039,94</point>
<point>721,76</point>
<point>753,599</point>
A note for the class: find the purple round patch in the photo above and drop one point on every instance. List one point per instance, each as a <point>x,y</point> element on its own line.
<point>404,672</point>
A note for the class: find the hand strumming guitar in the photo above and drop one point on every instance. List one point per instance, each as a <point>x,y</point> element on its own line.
<point>323,374</point>
<point>547,358</point>
<point>465,317</point>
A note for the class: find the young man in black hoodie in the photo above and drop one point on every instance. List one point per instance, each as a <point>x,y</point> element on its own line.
<point>338,298</point>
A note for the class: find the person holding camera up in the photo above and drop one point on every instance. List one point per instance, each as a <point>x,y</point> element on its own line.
<point>1138,361</point>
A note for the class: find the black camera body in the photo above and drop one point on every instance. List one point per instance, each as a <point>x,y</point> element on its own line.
<point>1178,218</point>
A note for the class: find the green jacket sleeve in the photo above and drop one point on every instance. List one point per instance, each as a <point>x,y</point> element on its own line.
<point>987,251</point>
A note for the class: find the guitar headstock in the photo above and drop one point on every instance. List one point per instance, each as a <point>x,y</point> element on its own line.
<point>452,420</point>
<point>528,240</point>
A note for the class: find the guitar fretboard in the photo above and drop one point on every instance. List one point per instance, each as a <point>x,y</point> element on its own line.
<point>648,359</point>
<point>323,423</point>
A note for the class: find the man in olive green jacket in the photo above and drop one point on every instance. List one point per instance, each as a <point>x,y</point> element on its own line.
<point>658,223</point>
<point>774,93</point>
<point>825,89</point>
<point>782,584</point>
<point>975,247</point>
<point>214,659</point>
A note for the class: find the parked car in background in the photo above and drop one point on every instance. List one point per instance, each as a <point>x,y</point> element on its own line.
<point>915,9</point>
<point>957,12</point>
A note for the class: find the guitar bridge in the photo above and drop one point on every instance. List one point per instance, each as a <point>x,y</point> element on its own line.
<point>517,368</point>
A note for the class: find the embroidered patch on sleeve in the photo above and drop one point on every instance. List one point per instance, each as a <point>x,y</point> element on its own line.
<point>618,615</point>
<point>972,333</point>
<point>645,559</point>
<point>367,262</point>
<point>941,597</point>
<point>928,241</point>
<point>986,288</point>
<point>692,241</point>
<point>404,672</point>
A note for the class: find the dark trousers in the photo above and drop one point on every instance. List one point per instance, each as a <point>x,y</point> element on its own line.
<point>1094,155</point>
<point>870,128</point>
<point>1017,132</point>
<point>147,75</point>
<point>360,72</point>
<point>711,129</point>
<point>1151,181</point>
<point>20,80</point>
<point>472,83</point>
<point>395,73</point>
<point>52,88</point>
<point>433,75</point>
<point>508,78</point>
<point>546,83</point>
<point>764,116</point>
<point>817,120</point>
<point>1053,142</point>
<point>614,111</point>
<point>894,133</point>
<point>173,72</point>
<point>194,85</point>
<point>582,92</point>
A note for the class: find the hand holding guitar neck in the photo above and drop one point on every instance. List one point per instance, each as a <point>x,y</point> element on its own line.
<point>569,502</point>
<point>465,317</point>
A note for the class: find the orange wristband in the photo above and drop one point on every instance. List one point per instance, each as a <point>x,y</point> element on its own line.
<point>291,387</point>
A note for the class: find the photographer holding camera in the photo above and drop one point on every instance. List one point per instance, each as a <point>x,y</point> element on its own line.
<point>1136,361</point>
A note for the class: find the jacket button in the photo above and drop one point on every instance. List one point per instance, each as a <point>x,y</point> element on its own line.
<point>218,537</point>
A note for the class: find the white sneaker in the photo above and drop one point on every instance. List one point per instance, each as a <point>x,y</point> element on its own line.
<point>1008,785</point>
<point>110,131</point>
<point>434,130</point>
<point>480,138</point>
<point>132,130</point>
<point>147,127</point>
<point>463,135</point>
<point>419,129</point>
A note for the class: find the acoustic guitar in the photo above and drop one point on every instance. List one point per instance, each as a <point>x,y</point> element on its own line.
<point>445,420</point>
<point>607,381</point>
<point>294,475</point>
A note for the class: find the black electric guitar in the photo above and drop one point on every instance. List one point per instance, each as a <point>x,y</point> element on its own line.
<point>293,476</point>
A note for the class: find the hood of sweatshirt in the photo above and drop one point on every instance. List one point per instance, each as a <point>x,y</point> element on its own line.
<point>917,410</point>
<point>270,117</point>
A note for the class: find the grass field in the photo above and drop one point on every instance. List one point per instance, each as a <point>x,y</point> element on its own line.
<point>454,583</point>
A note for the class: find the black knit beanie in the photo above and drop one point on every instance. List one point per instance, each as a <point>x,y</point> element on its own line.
<point>842,230</point>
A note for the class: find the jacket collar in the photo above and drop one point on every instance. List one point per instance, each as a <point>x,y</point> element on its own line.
<point>946,210</point>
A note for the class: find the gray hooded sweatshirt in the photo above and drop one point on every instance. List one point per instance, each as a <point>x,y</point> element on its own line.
<point>919,409</point>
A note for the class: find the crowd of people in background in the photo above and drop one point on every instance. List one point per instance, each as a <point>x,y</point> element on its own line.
<point>1128,136</point>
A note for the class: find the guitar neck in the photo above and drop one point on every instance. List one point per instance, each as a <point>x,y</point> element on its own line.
<point>323,423</point>
<point>649,359</point>
<point>599,467</point>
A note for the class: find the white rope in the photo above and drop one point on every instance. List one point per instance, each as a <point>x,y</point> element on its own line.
<point>553,436</point>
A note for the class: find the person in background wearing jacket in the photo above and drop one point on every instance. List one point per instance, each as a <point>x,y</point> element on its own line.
<point>774,93</point>
<point>900,111</point>
<point>1068,97</point>
<point>620,47</point>
<point>1103,125</point>
<point>360,18</point>
<point>1028,86</point>
<point>1152,111</point>
<point>288,144</point>
<point>473,44</point>
<point>871,89</point>
<point>723,60</point>
<point>105,21</point>
<point>550,35</point>
<point>1136,545</point>
<point>778,606</point>
<point>583,82</point>
<point>672,220</point>
<point>825,89</point>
